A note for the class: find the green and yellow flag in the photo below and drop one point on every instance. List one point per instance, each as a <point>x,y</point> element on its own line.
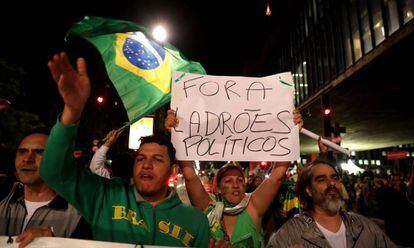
<point>140,69</point>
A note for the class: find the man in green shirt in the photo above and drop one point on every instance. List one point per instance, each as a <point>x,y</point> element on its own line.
<point>147,212</point>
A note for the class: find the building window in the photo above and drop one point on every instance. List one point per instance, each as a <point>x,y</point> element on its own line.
<point>309,18</point>
<point>307,65</point>
<point>408,9</point>
<point>319,59</point>
<point>365,27</point>
<point>306,22</point>
<point>315,12</point>
<point>298,90</point>
<point>313,64</point>
<point>347,37</point>
<point>338,41</point>
<point>302,31</point>
<point>325,55</point>
<point>302,75</point>
<point>377,22</point>
<point>305,76</point>
<point>299,76</point>
<point>320,9</point>
<point>331,49</point>
<point>391,15</point>
<point>356,41</point>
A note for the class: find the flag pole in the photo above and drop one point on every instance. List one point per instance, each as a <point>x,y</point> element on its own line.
<point>326,142</point>
<point>126,124</point>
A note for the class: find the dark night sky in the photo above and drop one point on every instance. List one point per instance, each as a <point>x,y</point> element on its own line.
<point>217,33</point>
<point>221,35</point>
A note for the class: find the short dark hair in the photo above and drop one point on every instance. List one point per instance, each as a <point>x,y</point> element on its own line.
<point>38,129</point>
<point>161,140</point>
<point>305,180</point>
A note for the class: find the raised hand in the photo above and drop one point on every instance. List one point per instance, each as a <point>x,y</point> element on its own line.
<point>73,85</point>
<point>171,120</point>
<point>297,118</point>
<point>322,148</point>
<point>111,137</point>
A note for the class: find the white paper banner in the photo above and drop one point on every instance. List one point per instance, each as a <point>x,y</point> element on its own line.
<point>234,118</point>
<point>53,242</point>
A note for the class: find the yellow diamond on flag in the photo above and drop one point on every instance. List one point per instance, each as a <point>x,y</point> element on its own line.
<point>145,58</point>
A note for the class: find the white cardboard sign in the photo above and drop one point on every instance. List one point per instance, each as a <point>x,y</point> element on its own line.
<point>234,118</point>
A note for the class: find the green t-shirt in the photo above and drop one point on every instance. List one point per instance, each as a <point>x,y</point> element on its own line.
<point>245,233</point>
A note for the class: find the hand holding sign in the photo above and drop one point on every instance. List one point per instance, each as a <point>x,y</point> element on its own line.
<point>171,120</point>
<point>297,119</point>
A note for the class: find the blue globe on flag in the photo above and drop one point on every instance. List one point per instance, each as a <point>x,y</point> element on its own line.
<point>145,58</point>
<point>142,52</point>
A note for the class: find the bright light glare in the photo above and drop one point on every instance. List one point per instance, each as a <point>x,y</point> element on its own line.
<point>351,167</point>
<point>159,33</point>
<point>143,127</point>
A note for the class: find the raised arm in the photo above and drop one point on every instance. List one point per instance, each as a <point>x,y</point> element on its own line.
<point>78,186</point>
<point>263,196</point>
<point>198,196</point>
<point>97,164</point>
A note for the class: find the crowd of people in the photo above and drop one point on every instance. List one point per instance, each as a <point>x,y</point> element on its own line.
<point>55,196</point>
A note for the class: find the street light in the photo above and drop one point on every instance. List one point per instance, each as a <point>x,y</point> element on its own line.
<point>159,33</point>
<point>327,116</point>
<point>327,111</point>
<point>100,99</point>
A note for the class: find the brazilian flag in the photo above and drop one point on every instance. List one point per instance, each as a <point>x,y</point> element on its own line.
<point>140,68</point>
<point>288,199</point>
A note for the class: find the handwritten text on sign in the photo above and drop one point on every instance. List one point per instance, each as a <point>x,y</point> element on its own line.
<point>234,118</point>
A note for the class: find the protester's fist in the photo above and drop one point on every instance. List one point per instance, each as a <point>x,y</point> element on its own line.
<point>171,120</point>
<point>31,233</point>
